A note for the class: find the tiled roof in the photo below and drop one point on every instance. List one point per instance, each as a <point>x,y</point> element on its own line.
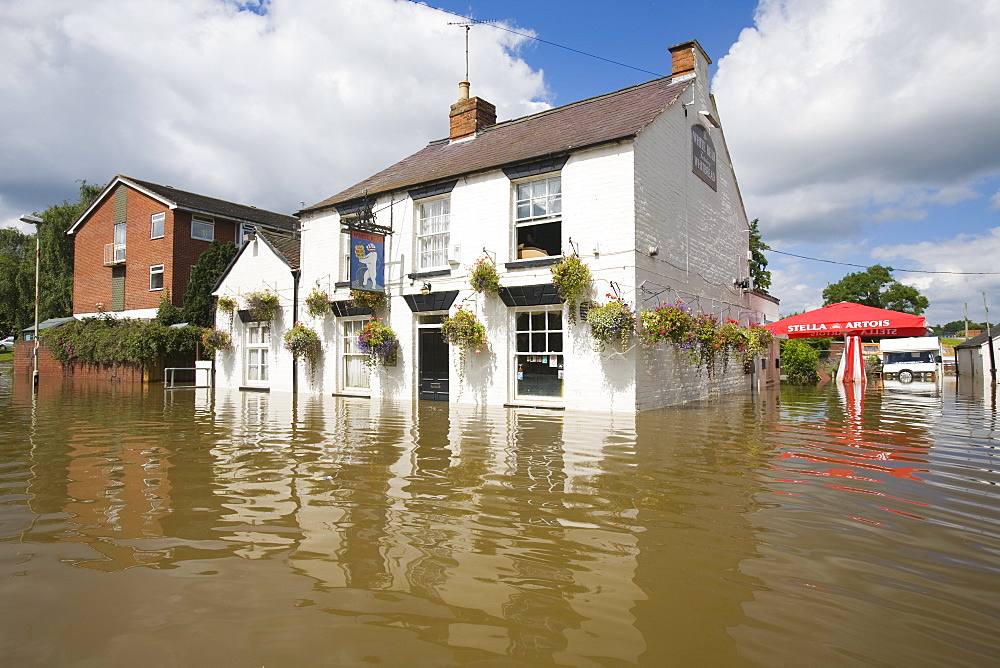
<point>289,247</point>
<point>193,201</point>
<point>599,120</point>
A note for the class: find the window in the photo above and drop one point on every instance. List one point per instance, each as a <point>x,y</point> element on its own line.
<point>538,217</point>
<point>202,228</point>
<point>432,233</point>
<point>258,337</point>
<point>119,247</point>
<point>156,223</point>
<point>355,371</point>
<point>539,357</point>
<point>156,277</point>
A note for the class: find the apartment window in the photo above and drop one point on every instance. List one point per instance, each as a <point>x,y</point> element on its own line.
<point>538,217</point>
<point>432,233</point>
<point>539,355</point>
<point>243,233</point>
<point>202,228</point>
<point>156,277</point>
<point>119,247</point>
<point>156,224</point>
<point>258,338</point>
<point>356,374</point>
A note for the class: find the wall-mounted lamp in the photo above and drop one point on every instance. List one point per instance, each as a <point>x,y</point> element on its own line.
<point>425,289</point>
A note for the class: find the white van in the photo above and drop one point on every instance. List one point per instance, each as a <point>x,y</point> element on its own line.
<point>916,358</point>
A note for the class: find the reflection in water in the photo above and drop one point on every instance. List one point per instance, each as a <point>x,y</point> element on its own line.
<point>820,526</point>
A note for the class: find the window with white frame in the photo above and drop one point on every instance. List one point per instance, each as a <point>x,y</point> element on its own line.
<point>433,233</point>
<point>258,350</point>
<point>243,233</point>
<point>355,373</point>
<point>539,356</point>
<point>538,217</point>
<point>156,225</point>
<point>156,277</point>
<point>202,228</point>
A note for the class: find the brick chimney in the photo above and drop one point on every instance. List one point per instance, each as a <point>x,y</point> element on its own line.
<point>686,57</point>
<point>470,115</point>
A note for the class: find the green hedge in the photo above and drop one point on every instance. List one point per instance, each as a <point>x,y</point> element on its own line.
<point>110,341</point>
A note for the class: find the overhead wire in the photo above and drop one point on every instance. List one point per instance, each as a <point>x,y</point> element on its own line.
<point>865,266</point>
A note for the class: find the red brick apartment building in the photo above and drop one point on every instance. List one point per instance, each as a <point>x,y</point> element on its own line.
<point>139,239</point>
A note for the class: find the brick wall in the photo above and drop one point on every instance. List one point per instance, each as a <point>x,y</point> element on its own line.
<point>50,367</point>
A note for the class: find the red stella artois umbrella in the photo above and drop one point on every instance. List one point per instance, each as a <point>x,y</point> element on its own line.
<point>847,319</point>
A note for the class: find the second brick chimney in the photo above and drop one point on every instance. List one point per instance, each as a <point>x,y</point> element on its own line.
<point>470,115</point>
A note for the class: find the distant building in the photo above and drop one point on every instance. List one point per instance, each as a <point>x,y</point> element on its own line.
<point>637,182</point>
<point>139,239</point>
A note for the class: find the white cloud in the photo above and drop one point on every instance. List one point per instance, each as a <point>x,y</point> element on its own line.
<point>848,111</point>
<point>995,201</point>
<point>948,293</point>
<point>269,110</point>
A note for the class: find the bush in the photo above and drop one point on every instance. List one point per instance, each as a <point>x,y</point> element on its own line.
<point>799,361</point>
<point>110,341</point>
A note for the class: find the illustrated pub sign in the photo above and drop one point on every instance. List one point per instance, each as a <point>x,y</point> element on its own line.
<point>367,261</point>
<point>704,158</point>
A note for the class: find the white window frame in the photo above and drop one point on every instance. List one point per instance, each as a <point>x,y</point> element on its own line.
<point>256,363</point>
<point>203,223</point>
<point>121,235</point>
<point>157,220</point>
<point>433,233</point>
<point>536,351</point>
<point>244,230</point>
<point>351,355</point>
<point>156,270</point>
<point>533,209</point>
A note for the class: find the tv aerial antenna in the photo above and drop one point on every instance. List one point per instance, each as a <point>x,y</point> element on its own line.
<point>467,25</point>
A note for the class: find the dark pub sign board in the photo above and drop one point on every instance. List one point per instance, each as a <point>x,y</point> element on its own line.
<point>703,160</point>
<point>367,262</point>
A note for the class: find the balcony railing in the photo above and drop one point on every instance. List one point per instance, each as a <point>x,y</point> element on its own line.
<point>114,254</point>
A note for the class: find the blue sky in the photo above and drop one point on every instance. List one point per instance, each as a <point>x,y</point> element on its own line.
<point>862,131</point>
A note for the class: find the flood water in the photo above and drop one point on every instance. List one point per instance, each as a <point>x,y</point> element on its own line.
<point>177,528</point>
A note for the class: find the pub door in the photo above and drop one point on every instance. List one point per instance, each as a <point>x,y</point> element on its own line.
<point>433,365</point>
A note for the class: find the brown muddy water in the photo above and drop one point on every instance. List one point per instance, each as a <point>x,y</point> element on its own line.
<point>157,528</point>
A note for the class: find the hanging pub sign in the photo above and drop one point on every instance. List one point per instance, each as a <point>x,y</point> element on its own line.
<point>367,261</point>
<point>703,159</point>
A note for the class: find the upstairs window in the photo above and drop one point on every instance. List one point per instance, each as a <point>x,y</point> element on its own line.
<point>156,224</point>
<point>433,233</point>
<point>156,277</point>
<point>202,228</point>
<point>538,218</point>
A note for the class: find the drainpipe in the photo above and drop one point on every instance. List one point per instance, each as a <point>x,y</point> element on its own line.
<point>295,318</point>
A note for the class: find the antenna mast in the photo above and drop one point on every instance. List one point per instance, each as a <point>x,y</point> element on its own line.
<point>468,24</point>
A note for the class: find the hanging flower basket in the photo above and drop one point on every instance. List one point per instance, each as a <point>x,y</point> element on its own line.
<point>667,322</point>
<point>484,278</point>
<point>610,322</point>
<point>464,331</point>
<point>213,340</point>
<point>369,300</point>
<point>756,340</point>
<point>226,304</point>
<point>572,279</point>
<point>379,343</point>
<point>303,342</point>
<point>318,303</point>
<point>263,305</point>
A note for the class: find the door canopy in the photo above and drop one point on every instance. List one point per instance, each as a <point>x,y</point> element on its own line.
<point>848,319</point>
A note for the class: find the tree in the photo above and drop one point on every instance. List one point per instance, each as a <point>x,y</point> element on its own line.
<point>876,287</point>
<point>199,307</point>
<point>168,314</point>
<point>958,326</point>
<point>56,255</point>
<point>17,280</point>
<point>758,263</point>
<point>799,361</point>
